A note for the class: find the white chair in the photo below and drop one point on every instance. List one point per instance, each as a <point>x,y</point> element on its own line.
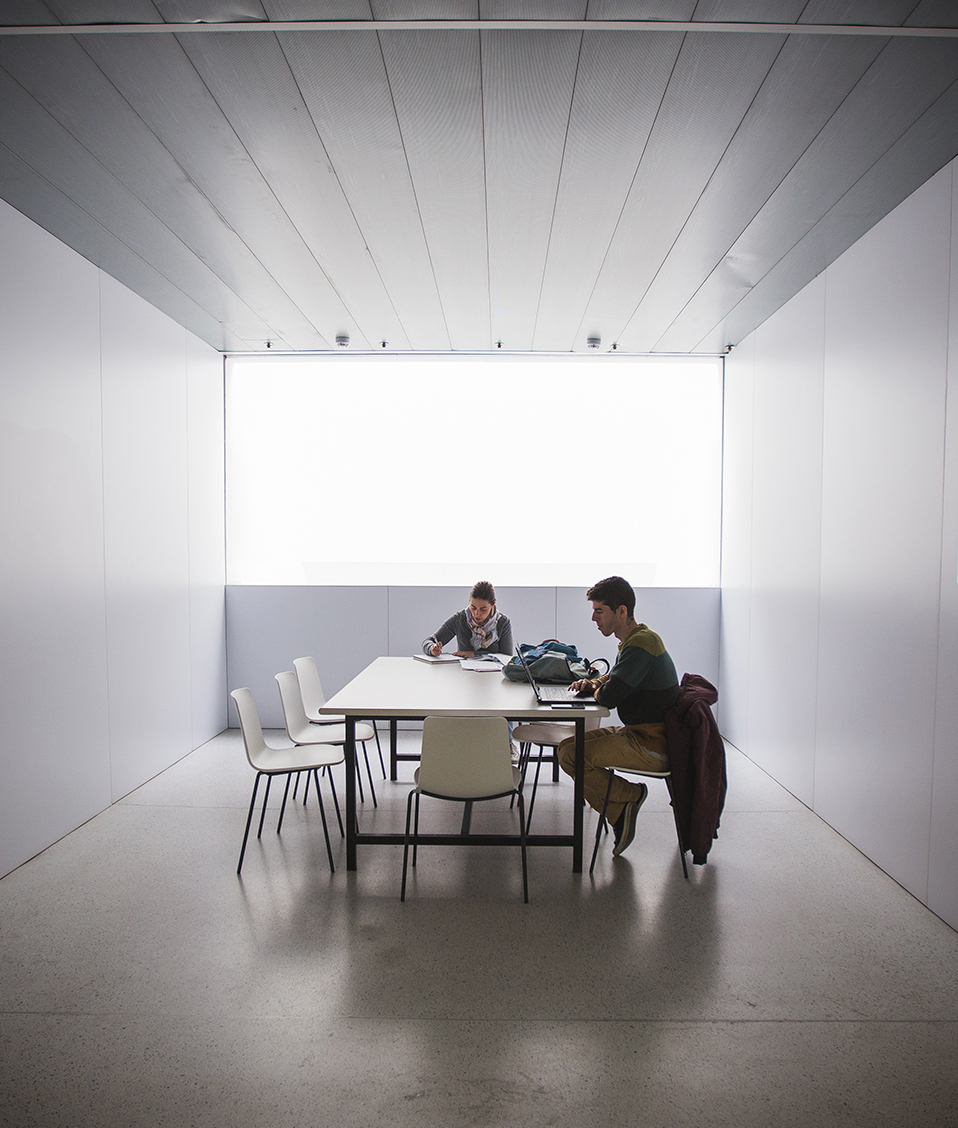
<point>667,776</point>
<point>544,734</point>
<point>300,731</point>
<point>313,698</point>
<point>465,759</point>
<point>269,762</point>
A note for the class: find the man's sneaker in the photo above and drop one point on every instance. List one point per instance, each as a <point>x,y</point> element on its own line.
<point>626,824</point>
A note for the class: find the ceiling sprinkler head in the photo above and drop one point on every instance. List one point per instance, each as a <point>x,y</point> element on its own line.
<point>594,342</point>
<point>342,340</point>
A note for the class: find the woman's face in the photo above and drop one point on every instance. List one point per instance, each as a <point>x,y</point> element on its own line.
<point>480,609</point>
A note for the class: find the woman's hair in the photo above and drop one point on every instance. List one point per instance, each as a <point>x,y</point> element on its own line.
<point>483,590</point>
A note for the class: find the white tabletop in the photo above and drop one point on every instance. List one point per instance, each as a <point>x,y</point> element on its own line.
<point>405,687</point>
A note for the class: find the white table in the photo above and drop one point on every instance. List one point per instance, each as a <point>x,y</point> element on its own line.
<point>397,689</point>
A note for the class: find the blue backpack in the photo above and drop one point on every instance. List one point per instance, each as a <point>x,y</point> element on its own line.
<point>553,663</point>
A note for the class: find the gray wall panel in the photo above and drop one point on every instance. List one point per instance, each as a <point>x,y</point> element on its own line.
<point>344,629</point>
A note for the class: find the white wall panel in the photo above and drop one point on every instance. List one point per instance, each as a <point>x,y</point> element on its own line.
<point>52,637</point>
<point>736,543</point>
<point>207,539</point>
<point>344,629</point>
<point>786,540</point>
<point>885,360</point>
<point>943,855</point>
<point>145,483</point>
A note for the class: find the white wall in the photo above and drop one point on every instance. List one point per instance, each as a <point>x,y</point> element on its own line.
<point>112,620</point>
<point>345,628</point>
<point>835,569</point>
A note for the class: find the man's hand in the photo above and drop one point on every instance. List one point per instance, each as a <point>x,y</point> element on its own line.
<point>584,685</point>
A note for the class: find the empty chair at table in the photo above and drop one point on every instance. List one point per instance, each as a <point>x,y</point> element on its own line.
<point>268,761</point>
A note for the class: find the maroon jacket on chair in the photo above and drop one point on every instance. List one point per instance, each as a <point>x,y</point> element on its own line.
<point>697,756</point>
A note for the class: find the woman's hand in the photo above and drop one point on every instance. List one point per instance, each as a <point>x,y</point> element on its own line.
<point>435,650</point>
<point>465,654</point>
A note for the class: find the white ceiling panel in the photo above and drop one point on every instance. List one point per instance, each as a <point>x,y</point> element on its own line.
<point>342,78</point>
<point>882,107</point>
<point>453,188</point>
<point>527,82</point>
<point>619,88</point>
<point>692,131</point>
<point>436,87</point>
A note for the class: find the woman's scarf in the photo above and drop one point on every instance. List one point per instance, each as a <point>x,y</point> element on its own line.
<point>484,634</point>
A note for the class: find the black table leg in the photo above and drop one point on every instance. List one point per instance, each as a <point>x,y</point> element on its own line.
<point>393,727</point>
<point>579,794</point>
<point>351,828</point>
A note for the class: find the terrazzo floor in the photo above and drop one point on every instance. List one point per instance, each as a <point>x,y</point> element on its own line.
<point>788,982</point>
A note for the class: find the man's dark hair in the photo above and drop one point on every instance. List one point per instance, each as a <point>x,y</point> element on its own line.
<point>614,592</point>
<point>483,590</point>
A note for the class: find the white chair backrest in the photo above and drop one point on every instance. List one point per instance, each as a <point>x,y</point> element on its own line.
<point>297,723</point>
<point>310,687</point>
<point>249,724</point>
<point>466,757</point>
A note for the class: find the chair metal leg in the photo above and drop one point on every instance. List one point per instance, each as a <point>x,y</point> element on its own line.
<point>598,829</point>
<point>296,785</point>
<point>269,780</point>
<point>359,778</point>
<point>535,784</point>
<point>678,829</point>
<point>306,788</point>
<point>523,827</point>
<point>322,815</point>
<point>369,774</point>
<point>405,852</point>
<point>524,749</point>
<point>379,747</point>
<point>332,788</point>
<point>282,810</point>
<point>415,845</point>
<point>249,820</point>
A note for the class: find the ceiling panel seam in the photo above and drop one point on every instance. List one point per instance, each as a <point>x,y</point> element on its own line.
<point>711,176</point>
<point>485,191</point>
<point>625,199</point>
<point>415,194</point>
<point>555,198</point>
<point>181,242</point>
<point>836,205</point>
<point>729,249</point>
<point>594,26</point>
<point>199,191</point>
<point>269,187</point>
<point>369,336</point>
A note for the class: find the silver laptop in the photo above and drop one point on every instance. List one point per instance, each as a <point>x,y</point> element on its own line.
<point>553,694</point>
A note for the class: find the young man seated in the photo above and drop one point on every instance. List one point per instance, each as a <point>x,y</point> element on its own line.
<point>641,686</point>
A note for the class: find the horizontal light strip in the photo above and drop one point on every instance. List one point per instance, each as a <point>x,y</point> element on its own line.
<point>485,25</point>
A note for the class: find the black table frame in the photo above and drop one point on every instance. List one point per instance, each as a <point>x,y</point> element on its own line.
<point>355,837</point>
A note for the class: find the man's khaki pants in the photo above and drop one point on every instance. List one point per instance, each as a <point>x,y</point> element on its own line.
<point>641,747</point>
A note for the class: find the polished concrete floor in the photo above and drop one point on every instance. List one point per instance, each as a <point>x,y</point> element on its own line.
<point>788,982</point>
